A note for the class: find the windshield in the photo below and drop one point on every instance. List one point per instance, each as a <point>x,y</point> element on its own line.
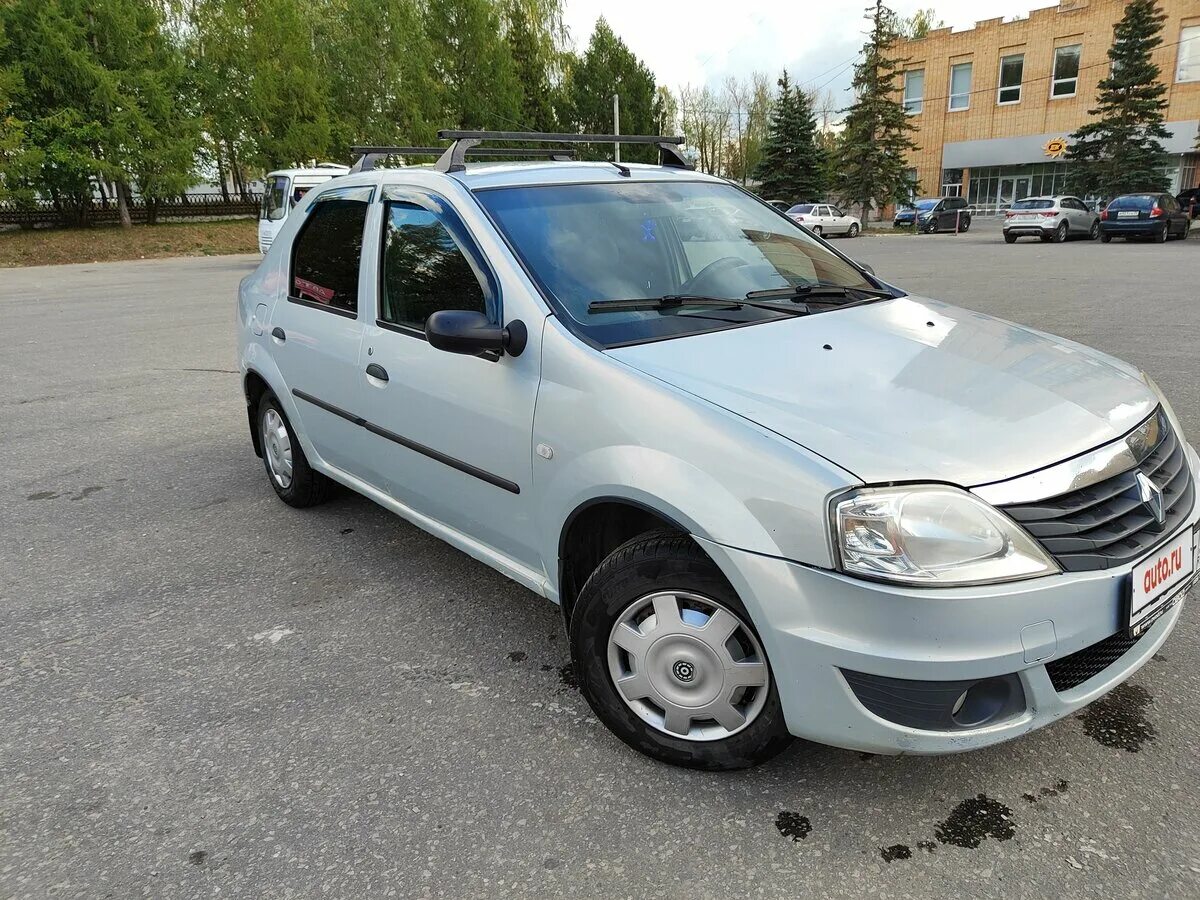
<point>275,198</point>
<point>632,240</point>
<point>800,209</point>
<point>1033,204</point>
<point>926,204</point>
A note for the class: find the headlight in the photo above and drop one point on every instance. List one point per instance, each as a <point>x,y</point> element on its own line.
<point>1166,405</point>
<point>932,535</point>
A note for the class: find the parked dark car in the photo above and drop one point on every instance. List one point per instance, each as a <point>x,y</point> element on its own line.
<point>934,214</point>
<point>1189,202</point>
<point>1158,217</point>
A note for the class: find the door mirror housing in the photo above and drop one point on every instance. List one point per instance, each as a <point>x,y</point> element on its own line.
<point>866,267</point>
<point>470,332</point>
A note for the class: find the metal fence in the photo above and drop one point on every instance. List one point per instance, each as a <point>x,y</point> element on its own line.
<point>141,210</point>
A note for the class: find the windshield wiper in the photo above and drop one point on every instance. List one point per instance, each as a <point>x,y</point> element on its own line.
<point>802,292</point>
<point>673,301</point>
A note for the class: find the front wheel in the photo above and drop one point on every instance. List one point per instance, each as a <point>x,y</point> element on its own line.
<point>853,232</point>
<point>667,657</point>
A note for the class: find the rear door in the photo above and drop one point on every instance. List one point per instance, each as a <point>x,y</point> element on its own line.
<point>316,331</point>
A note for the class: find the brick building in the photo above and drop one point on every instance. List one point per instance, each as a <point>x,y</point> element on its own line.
<point>995,104</point>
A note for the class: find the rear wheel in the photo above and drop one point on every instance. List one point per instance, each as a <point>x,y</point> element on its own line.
<point>1105,237</point>
<point>667,657</point>
<point>1060,233</point>
<point>1010,238</point>
<point>287,467</point>
<point>816,229</point>
<point>1162,234</point>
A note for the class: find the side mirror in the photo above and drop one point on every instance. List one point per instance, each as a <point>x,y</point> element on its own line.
<point>465,331</point>
<point>866,267</point>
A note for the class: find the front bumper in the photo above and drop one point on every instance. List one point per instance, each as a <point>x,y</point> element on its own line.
<point>817,625</point>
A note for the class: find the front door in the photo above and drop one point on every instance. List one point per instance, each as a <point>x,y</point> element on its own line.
<point>453,435</point>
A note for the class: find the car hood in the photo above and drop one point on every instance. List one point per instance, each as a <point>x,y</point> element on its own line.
<point>910,389</point>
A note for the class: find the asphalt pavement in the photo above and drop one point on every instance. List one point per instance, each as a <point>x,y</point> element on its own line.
<point>204,692</point>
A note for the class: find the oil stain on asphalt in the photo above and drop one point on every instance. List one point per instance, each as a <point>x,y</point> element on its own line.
<point>1119,719</point>
<point>896,851</point>
<point>793,825</point>
<point>974,820</point>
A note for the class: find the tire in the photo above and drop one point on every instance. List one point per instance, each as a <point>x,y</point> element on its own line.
<point>1010,238</point>
<point>965,225</point>
<point>853,232</point>
<point>1095,230</point>
<point>1105,237</point>
<point>1161,236</point>
<point>1061,232</point>
<point>667,571</point>
<point>933,227</point>
<point>816,229</point>
<point>303,487</point>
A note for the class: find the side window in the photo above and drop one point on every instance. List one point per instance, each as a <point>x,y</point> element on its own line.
<point>425,268</point>
<point>327,252</point>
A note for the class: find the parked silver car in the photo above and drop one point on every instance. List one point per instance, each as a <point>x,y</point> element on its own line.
<point>825,219</point>
<point>772,494</point>
<point>1054,218</point>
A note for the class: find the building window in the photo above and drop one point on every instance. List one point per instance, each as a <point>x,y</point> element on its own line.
<point>960,86</point>
<point>1066,71</point>
<point>1011,70</point>
<point>914,90</point>
<point>914,183</point>
<point>1189,54</point>
<point>952,182</point>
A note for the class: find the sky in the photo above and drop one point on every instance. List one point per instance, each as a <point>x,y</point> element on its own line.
<point>702,42</point>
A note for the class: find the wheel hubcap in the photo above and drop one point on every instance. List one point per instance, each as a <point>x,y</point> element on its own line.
<point>277,448</point>
<point>688,666</point>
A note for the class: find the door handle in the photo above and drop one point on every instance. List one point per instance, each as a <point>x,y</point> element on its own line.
<point>375,370</point>
<point>278,333</point>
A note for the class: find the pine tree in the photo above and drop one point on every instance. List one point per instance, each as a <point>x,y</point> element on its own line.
<point>609,67</point>
<point>792,165</point>
<point>1121,150</point>
<point>870,164</point>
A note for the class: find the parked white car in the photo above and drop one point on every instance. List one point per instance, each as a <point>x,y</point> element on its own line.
<point>284,189</point>
<point>1056,218</point>
<point>825,219</point>
<point>772,494</point>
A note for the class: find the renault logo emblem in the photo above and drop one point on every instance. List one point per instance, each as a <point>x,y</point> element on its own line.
<point>1152,498</point>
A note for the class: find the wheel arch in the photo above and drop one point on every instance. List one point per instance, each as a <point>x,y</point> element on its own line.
<point>595,528</point>
<point>254,386</point>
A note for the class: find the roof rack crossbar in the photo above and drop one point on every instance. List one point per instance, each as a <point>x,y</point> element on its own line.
<point>369,155</point>
<point>454,159</point>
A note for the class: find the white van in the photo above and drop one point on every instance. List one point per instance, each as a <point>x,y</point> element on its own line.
<point>284,189</point>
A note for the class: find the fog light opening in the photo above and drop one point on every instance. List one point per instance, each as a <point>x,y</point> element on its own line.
<point>981,702</point>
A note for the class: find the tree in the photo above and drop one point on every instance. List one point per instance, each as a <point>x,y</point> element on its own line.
<point>919,24</point>
<point>609,67</point>
<point>1121,150</point>
<point>102,99</point>
<point>870,166</point>
<point>705,122</point>
<point>536,41</point>
<point>11,128</point>
<point>792,165</point>
<point>666,112</point>
<point>474,63</point>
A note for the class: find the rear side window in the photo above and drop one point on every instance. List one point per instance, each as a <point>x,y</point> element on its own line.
<point>426,268</point>
<point>327,253</point>
<point>801,209</point>
<point>1133,201</point>
<point>1035,204</point>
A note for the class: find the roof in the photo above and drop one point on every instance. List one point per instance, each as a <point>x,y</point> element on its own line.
<point>482,175</point>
